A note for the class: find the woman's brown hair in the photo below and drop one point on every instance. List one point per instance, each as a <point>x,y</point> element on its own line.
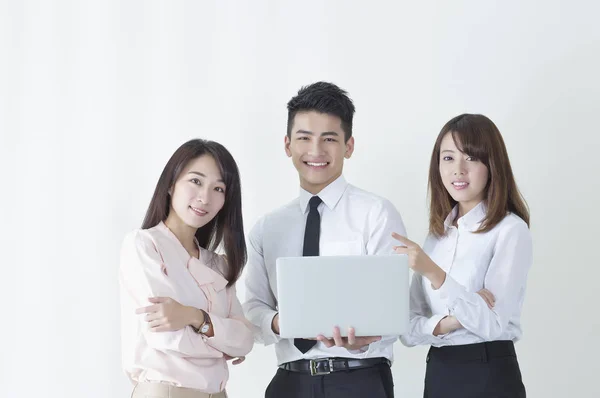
<point>477,136</point>
<point>227,227</point>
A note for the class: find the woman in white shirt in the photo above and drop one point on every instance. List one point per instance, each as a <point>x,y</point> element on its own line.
<point>469,283</point>
<point>181,319</point>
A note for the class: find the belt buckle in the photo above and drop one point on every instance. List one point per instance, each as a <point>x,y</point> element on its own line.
<point>316,372</point>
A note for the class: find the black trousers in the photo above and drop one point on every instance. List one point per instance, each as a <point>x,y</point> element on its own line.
<point>485,370</point>
<point>373,382</point>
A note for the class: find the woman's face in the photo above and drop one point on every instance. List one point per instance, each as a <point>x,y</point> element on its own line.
<point>199,193</point>
<point>464,177</point>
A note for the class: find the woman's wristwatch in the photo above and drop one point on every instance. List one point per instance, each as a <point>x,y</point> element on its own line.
<point>205,327</point>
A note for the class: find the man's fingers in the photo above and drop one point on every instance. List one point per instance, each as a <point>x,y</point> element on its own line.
<point>337,337</point>
<point>326,342</point>
<point>366,340</point>
<point>403,239</point>
<point>351,336</point>
<point>370,339</point>
<point>350,341</point>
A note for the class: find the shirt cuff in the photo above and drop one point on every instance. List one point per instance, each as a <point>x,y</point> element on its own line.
<point>431,323</point>
<point>268,335</point>
<point>217,340</point>
<point>450,291</point>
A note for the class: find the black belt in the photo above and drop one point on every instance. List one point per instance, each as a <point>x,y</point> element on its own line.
<point>324,366</point>
<point>469,352</point>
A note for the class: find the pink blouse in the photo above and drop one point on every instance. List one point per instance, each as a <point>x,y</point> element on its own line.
<point>155,264</point>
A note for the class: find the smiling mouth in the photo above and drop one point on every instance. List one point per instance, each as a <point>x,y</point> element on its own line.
<point>316,164</point>
<point>460,184</point>
<point>198,212</point>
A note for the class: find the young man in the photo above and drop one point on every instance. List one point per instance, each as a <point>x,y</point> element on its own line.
<point>330,217</point>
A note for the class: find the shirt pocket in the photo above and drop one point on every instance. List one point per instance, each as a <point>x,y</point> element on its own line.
<point>342,248</point>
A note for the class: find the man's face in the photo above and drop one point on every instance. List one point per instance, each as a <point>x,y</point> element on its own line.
<point>317,149</point>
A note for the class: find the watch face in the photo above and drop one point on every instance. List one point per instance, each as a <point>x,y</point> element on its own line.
<point>204,328</point>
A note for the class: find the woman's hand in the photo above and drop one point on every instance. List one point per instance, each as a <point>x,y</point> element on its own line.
<point>446,325</point>
<point>419,261</point>
<point>167,315</point>
<point>236,361</point>
<point>488,297</point>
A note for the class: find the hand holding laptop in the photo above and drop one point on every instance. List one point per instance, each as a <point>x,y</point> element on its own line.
<point>275,324</point>
<point>351,342</point>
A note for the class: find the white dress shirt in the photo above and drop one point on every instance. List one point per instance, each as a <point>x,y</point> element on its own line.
<point>154,263</point>
<point>353,222</point>
<point>497,260</point>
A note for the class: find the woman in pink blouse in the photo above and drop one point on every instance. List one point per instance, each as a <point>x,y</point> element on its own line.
<point>181,319</point>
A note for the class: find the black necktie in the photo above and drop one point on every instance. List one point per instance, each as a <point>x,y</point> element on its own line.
<point>312,232</point>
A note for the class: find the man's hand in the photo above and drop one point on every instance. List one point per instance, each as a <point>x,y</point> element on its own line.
<point>167,315</point>
<point>350,343</point>
<point>275,324</point>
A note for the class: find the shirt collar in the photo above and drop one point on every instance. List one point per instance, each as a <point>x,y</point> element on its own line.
<point>200,268</point>
<point>330,195</point>
<point>161,226</point>
<point>470,221</point>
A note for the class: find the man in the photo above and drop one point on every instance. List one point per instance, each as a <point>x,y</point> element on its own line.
<point>330,217</point>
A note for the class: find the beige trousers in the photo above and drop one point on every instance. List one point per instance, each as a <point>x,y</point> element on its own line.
<point>160,390</point>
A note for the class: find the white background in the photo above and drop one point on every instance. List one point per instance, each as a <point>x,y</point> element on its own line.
<point>96,95</point>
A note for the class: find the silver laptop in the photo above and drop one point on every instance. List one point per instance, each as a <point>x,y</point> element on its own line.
<point>368,293</point>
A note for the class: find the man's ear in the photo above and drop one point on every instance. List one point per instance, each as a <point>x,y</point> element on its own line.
<point>287,143</point>
<point>349,148</point>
